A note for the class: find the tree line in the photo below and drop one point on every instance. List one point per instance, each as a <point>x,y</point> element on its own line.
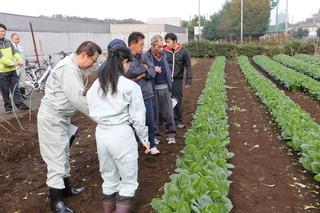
<point>94,20</point>
<point>225,24</point>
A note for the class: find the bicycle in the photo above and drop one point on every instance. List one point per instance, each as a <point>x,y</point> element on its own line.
<point>36,77</point>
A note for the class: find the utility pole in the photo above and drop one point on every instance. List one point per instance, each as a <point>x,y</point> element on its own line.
<point>287,17</point>
<point>277,31</point>
<point>241,25</point>
<point>199,19</point>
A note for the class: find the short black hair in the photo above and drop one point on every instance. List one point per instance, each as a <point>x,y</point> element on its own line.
<point>171,36</point>
<point>134,37</point>
<point>88,47</point>
<point>3,26</point>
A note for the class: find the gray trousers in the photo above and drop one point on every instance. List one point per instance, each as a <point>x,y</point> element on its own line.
<point>163,107</point>
<point>54,145</point>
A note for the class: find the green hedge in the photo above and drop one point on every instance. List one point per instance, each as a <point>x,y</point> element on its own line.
<point>251,50</point>
<point>295,47</point>
<point>206,48</point>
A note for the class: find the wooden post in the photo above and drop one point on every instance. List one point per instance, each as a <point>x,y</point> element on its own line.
<point>34,44</point>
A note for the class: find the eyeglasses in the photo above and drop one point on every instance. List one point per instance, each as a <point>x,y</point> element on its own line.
<point>94,60</point>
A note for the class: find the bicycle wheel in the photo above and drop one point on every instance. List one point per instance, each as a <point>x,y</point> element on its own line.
<point>28,90</point>
<point>39,73</point>
<point>28,84</point>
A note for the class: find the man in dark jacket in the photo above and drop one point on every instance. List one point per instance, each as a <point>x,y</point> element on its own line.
<point>179,60</point>
<point>143,72</point>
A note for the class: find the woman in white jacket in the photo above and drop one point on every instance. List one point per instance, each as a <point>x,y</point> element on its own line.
<point>116,105</point>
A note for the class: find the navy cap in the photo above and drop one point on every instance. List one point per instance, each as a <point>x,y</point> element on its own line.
<point>116,43</point>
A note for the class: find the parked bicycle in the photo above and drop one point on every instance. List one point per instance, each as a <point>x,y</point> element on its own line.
<point>36,77</point>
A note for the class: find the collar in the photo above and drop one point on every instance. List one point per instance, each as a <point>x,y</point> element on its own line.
<point>157,55</point>
<point>177,48</point>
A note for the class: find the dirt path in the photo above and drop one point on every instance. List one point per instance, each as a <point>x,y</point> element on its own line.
<point>267,176</point>
<point>23,173</point>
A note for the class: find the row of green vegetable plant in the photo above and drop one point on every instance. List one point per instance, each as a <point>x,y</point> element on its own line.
<point>298,128</point>
<point>311,70</point>
<point>308,58</point>
<point>288,77</point>
<point>200,183</point>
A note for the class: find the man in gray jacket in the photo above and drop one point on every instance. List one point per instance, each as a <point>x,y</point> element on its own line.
<point>162,89</point>
<point>63,99</point>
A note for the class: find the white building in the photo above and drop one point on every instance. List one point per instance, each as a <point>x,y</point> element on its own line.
<point>175,21</point>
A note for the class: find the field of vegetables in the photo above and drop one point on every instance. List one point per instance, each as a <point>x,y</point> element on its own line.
<point>252,144</point>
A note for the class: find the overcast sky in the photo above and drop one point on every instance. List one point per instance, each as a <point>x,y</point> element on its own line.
<point>141,9</point>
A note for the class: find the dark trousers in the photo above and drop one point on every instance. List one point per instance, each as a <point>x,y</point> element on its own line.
<point>8,81</point>
<point>150,120</point>
<point>163,107</point>
<point>177,92</point>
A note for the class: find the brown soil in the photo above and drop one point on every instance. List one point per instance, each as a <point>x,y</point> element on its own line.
<point>267,175</point>
<point>267,178</point>
<point>23,173</point>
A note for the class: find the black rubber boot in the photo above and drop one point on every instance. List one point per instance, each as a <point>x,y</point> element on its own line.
<point>123,204</point>
<point>56,203</point>
<point>109,203</point>
<point>70,191</point>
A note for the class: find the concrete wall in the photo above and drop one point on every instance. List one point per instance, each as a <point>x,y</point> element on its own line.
<point>22,23</point>
<point>54,36</point>
<point>50,43</point>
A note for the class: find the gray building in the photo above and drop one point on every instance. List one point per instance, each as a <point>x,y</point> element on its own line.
<point>175,21</point>
<point>123,31</point>
<point>52,36</point>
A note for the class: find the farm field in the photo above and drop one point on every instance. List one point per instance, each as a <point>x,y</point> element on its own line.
<point>23,173</point>
<point>267,176</point>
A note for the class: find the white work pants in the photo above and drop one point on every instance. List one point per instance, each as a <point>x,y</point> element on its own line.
<point>118,158</point>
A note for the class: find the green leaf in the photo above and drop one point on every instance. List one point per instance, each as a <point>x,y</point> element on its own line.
<point>317,177</point>
<point>173,202</point>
